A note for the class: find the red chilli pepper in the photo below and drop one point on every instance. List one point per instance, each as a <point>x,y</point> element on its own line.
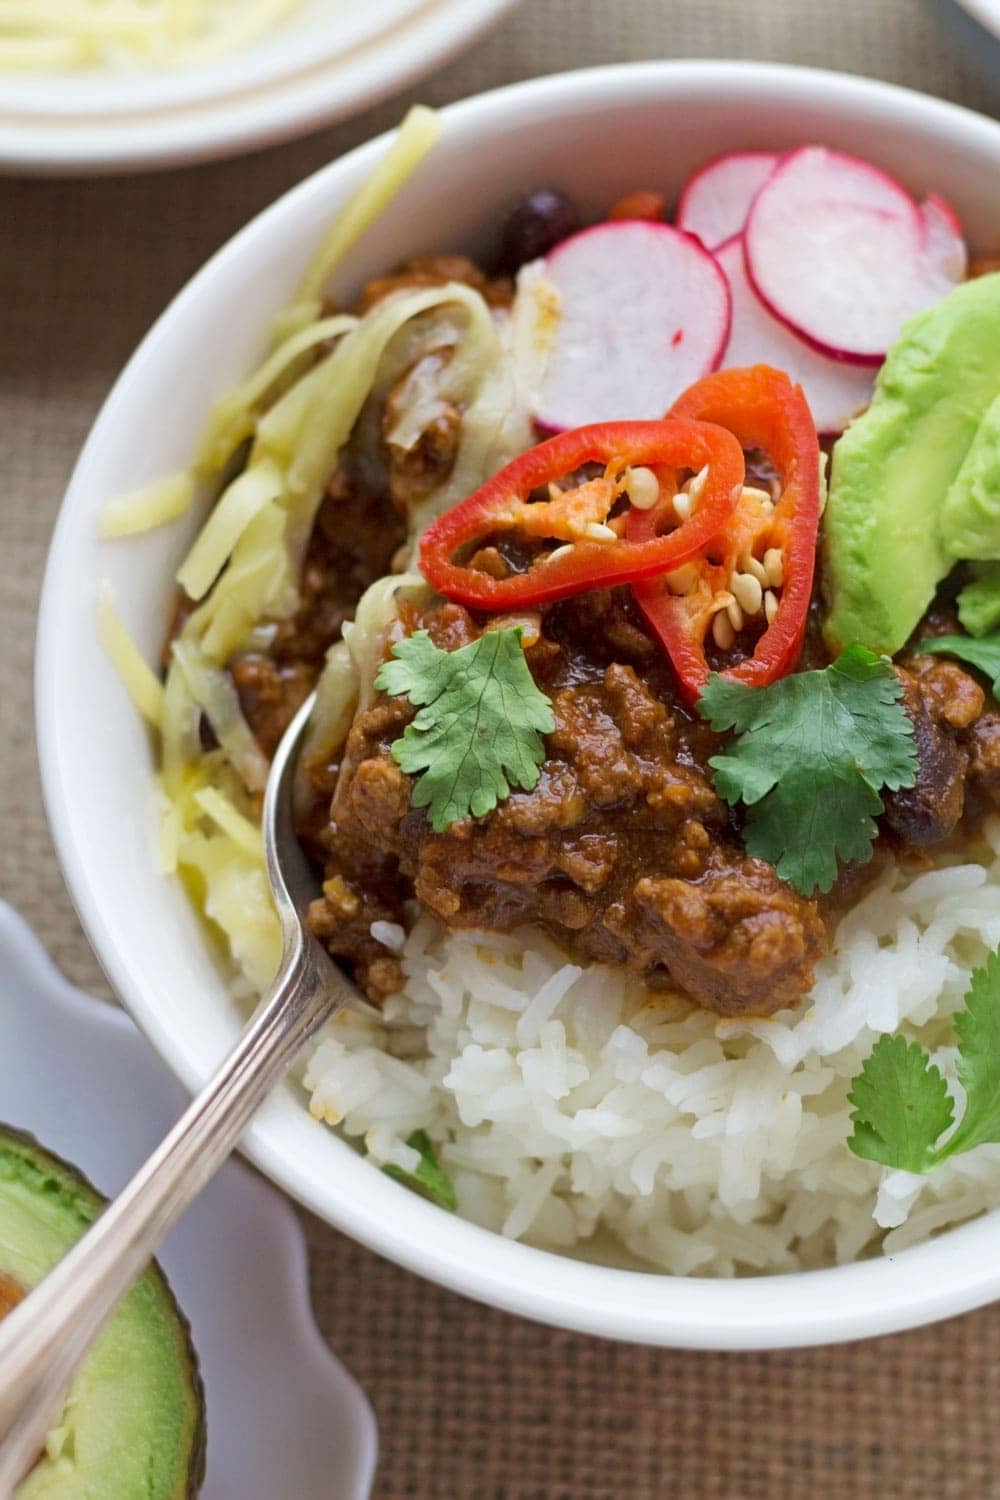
<point>595,553</point>
<point>763,410</point>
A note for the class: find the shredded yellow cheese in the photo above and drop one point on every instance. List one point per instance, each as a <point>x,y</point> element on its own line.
<point>233,512</point>
<point>64,34</point>
<point>233,415</point>
<point>156,504</point>
<point>141,682</point>
<point>42,54</point>
<point>236,897</point>
<point>255,586</point>
<point>295,413</point>
<point>244,834</point>
<point>214,693</point>
<point>412,141</point>
<point>170,829</point>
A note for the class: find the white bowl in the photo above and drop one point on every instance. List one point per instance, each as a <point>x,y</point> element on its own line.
<point>986,12</point>
<point>329,60</point>
<point>596,134</point>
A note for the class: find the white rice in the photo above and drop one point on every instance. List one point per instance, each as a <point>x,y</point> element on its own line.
<point>573,1107</point>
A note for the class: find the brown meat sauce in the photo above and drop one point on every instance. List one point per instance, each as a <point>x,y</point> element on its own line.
<point>623,852</point>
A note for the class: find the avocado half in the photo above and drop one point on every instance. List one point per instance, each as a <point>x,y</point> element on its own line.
<point>133,1427</point>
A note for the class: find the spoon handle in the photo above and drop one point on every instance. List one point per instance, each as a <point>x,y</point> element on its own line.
<point>44,1339</point>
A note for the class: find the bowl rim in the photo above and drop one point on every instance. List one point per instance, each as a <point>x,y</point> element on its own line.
<point>985,12</point>
<point>951,1274</point>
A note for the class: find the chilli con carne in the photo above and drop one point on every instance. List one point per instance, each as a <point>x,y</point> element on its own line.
<point>608,719</point>
<point>628,561</point>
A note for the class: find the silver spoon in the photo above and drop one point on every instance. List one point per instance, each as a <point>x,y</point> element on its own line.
<point>45,1338</point>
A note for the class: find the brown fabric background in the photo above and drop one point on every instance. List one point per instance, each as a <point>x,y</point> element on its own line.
<point>472,1403</point>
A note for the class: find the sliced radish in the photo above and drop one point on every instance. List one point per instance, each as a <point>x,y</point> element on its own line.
<point>836,392</point>
<point>840,252</point>
<point>943,240</point>
<point>643,312</point>
<point>716,200</point>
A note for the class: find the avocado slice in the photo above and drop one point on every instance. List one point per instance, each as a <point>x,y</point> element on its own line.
<point>134,1421</point>
<point>888,541</point>
<point>979,601</point>
<point>969,523</point>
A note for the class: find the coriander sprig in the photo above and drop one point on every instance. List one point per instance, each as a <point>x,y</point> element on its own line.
<point>901,1104</point>
<point>810,756</point>
<point>480,723</point>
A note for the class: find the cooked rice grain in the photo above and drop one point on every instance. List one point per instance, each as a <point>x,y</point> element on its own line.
<point>572,1106</point>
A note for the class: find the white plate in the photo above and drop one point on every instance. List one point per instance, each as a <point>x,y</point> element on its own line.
<point>284,1416</point>
<point>332,59</point>
<point>986,12</point>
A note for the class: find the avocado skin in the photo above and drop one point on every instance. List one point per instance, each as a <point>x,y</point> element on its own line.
<point>23,1158</point>
<point>885,546</point>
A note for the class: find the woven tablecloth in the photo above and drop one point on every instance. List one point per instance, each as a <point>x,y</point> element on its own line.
<point>470,1402</point>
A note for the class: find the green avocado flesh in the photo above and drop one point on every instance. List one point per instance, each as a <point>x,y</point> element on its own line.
<point>979,601</point>
<point>969,524</point>
<point>909,477</point>
<point>133,1425</point>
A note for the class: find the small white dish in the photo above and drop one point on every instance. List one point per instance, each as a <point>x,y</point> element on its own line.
<point>595,134</point>
<point>986,12</point>
<point>331,59</point>
<point>284,1416</point>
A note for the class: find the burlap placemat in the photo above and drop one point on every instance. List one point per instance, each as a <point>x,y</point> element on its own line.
<point>472,1403</point>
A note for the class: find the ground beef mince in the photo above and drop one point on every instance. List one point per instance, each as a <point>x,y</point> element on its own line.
<point>623,852</point>
<point>270,693</point>
<point>983,743</point>
<point>436,270</point>
<point>942,701</point>
<point>956,732</point>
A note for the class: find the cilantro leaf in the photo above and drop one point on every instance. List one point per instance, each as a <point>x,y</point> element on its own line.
<point>901,1106</point>
<point>983,653</point>
<point>428,1177</point>
<point>812,753</point>
<point>978,1031</point>
<point>479,728</point>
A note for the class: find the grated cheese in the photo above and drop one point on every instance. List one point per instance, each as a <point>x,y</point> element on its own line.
<point>61,35</point>
<point>156,504</point>
<point>141,682</point>
<point>295,413</point>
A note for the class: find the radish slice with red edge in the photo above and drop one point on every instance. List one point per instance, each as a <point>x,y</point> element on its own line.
<point>643,312</point>
<point>716,200</point>
<point>839,251</point>
<point>836,392</point>
<point>944,244</point>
